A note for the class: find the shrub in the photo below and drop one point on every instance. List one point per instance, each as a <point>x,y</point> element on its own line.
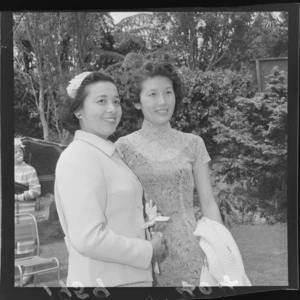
<point>252,135</point>
<point>208,95</point>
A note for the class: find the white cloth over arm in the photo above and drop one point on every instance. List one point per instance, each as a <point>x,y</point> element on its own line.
<point>224,264</point>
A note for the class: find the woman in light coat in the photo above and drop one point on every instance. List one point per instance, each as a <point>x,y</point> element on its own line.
<point>98,198</point>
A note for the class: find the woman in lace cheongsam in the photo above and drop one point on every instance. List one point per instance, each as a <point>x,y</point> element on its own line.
<point>169,164</point>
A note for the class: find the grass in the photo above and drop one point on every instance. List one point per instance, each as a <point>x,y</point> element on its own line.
<point>265,253</point>
<point>263,249</point>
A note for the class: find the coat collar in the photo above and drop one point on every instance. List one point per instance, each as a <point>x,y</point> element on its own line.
<point>103,145</point>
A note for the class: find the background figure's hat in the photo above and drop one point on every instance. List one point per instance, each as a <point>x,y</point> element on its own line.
<point>18,143</point>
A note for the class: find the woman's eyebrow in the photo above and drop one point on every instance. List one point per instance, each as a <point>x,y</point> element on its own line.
<point>105,96</point>
<point>155,89</point>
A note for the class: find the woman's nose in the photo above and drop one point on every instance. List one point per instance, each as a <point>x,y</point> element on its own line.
<point>111,107</point>
<point>161,99</point>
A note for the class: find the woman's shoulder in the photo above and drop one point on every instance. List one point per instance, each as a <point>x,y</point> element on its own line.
<point>126,145</point>
<point>28,168</point>
<point>74,146</point>
<point>126,139</point>
<point>189,137</point>
<point>78,152</point>
<point>191,143</point>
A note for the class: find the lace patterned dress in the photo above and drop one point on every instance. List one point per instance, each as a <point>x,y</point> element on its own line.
<point>164,159</point>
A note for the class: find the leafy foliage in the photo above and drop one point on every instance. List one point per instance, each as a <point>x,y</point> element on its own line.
<point>253,137</point>
<point>208,95</point>
<point>245,133</point>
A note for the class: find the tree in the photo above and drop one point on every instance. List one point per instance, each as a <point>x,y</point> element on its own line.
<point>269,35</point>
<point>253,138</point>
<point>26,118</point>
<point>207,98</point>
<point>36,36</point>
<point>49,49</point>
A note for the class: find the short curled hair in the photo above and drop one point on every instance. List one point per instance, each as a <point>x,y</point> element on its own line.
<point>68,119</point>
<point>152,69</point>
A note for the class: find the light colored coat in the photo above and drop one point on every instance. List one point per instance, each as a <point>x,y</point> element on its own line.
<point>224,265</point>
<point>99,203</point>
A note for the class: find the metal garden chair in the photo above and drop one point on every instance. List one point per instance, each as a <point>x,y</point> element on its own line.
<point>27,249</point>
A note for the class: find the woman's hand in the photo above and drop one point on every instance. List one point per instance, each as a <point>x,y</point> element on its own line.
<point>159,227</point>
<point>158,247</point>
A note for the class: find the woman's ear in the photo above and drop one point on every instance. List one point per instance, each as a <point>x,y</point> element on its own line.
<point>78,115</point>
<point>137,105</point>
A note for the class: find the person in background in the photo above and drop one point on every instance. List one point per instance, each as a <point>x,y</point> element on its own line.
<point>169,164</point>
<point>25,200</point>
<point>98,198</point>
<point>25,175</point>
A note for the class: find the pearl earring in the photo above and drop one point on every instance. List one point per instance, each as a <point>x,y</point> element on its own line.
<point>79,117</point>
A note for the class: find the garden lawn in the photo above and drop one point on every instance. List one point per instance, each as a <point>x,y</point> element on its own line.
<point>265,253</point>
<point>263,249</point>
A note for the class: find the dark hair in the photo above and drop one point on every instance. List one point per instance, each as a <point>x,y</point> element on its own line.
<point>152,69</point>
<point>69,121</point>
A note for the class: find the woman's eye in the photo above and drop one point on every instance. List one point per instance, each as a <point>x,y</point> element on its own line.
<point>101,100</point>
<point>118,102</point>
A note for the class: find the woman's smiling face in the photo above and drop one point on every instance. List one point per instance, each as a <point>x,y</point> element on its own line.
<point>157,100</point>
<point>101,111</point>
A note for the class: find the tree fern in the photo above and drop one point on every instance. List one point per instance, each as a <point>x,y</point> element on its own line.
<point>137,20</point>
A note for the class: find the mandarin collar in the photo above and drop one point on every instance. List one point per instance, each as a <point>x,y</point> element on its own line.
<point>155,131</point>
<point>105,146</point>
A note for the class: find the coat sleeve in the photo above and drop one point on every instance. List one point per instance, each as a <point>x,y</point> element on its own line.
<point>34,185</point>
<point>81,189</point>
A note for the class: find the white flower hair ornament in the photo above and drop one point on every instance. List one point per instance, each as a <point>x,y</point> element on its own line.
<point>75,83</point>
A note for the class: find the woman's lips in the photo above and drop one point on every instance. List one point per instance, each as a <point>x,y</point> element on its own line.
<point>162,111</point>
<point>110,120</point>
